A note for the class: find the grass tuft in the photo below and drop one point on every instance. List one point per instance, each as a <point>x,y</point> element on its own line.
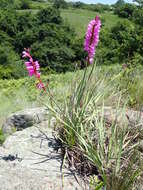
<point>92,145</point>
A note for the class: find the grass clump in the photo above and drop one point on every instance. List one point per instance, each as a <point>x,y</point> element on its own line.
<point>94,146</point>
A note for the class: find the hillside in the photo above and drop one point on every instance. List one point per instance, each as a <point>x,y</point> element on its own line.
<point>83,66</point>
<point>79,18</point>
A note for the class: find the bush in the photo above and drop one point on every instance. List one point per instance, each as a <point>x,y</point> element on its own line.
<point>50,39</point>
<point>49,15</point>
<point>120,44</point>
<point>8,22</point>
<point>100,8</point>
<point>125,11</point>
<point>7,55</point>
<point>78,5</point>
<point>60,4</point>
<point>138,16</point>
<point>4,4</point>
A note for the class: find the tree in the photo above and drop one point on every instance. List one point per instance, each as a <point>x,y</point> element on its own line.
<point>60,4</point>
<point>126,10</point>
<point>119,3</point>
<point>52,41</point>
<point>121,44</point>
<point>49,15</point>
<point>4,4</point>
<point>139,2</point>
<point>138,17</point>
<point>78,4</point>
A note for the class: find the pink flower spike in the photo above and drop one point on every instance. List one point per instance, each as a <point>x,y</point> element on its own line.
<point>25,54</point>
<point>37,65</point>
<point>27,63</point>
<point>92,38</point>
<point>31,60</point>
<point>40,85</point>
<point>33,68</point>
<point>31,73</point>
<point>38,75</point>
<point>30,68</point>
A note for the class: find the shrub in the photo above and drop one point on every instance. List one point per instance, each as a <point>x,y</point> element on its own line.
<point>93,145</point>
<point>125,11</point>
<point>78,4</point>
<point>101,8</point>
<point>50,39</point>
<point>7,55</point>
<point>120,44</point>
<point>60,4</point>
<point>138,16</point>
<point>49,15</point>
<point>8,22</point>
<point>4,4</point>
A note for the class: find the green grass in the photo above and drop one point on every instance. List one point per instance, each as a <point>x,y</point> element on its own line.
<point>18,94</point>
<point>39,5</point>
<point>79,18</point>
<point>79,116</point>
<point>111,146</point>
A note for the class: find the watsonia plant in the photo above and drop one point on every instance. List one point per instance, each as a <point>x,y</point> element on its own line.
<point>82,127</point>
<point>111,148</point>
<point>108,146</point>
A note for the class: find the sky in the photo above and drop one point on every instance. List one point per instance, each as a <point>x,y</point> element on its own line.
<point>102,1</point>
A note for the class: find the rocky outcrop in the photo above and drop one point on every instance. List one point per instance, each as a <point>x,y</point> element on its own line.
<point>122,117</point>
<point>28,117</point>
<point>23,119</point>
<point>30,160</point>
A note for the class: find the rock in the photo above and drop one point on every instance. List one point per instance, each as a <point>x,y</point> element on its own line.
<point>35,164</point>
<point>23,119</point>
<point>29,158</point>
<point>123,117</point>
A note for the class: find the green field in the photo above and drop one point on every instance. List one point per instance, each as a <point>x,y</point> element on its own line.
<point>18,94</point>
<point>21,89</point>
<point>79,18</point>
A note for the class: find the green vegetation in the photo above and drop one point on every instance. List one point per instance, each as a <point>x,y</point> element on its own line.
<point>50,39</point>
<point>79,18</point>
<point>2,137</point>
<point>56,37</point>
<point>58,43</point>
<point>126,10</point>
<point>90,141</point>
<point>26,95</point>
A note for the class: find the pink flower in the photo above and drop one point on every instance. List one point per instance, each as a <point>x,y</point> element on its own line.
<point>25,54</point>
<point>37,65</point>
<point>40,85</point>
<point>92,38</point>
<point>27,63</point>
<point>33,68</point>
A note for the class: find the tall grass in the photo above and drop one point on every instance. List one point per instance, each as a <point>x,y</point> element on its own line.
<point>108,147</point>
